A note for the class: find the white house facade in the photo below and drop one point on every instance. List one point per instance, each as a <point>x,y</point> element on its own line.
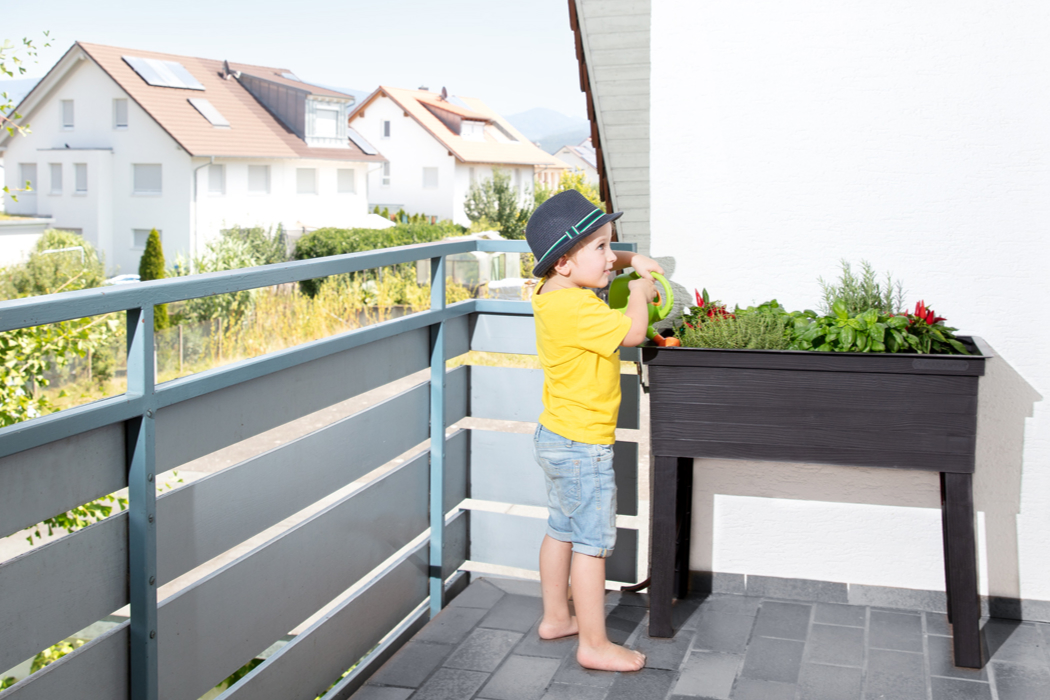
<point>581,157</point>
<point>124,141</point>
<point>437,146</point>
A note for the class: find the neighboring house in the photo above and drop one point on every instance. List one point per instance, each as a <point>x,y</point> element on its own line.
<point>582,157</point>
<point>436,146</point>
<point>125,140</point>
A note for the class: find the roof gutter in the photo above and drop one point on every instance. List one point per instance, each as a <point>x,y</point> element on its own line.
<point>193,233</point>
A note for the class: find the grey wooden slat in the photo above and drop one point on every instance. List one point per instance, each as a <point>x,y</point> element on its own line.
<point>62,587</point>
<point>457,335</point>
<point>619,103</point>
<point>589,9</point>
<point>512,393</point>
<point>635,145</point>
<point>602,74</point>
<point>207,517</point>
<point>810,416</point>
<point>96,671</point>
<point>620,159</point>
<point>502,468</point>
<point>637,200</point>
<point>224,417</point>
<point>837,454</point>
<point>633,188</point>
<point>686,385</point>
<point>615,23</point>
<point>628,56</point>
<point>44,481</point>
<point>514,540</point>
<point>306,666</point>
<point>630,132</point>
<point>639,87</point>
<point>638,39</point>
<point>620,117</point>
<point>457,471</point>
<point>503,333</point>
<point>210,629</point>
<point>861,363</point>
<point>816,438</point>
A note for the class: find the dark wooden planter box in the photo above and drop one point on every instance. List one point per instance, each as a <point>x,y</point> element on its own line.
<point>867,410</point>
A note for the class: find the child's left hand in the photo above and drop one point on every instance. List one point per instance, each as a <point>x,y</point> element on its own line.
<point>645,266</point>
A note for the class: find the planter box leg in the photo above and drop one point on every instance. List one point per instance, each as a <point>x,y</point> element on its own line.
<point>964,607</point>
<point>662,549</point>
<point>684,526</point>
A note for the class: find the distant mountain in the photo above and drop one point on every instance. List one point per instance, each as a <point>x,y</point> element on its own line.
<point>553,143</point>
<point>547,126</point>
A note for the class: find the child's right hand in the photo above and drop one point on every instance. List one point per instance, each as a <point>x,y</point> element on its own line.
<point>644,287</point>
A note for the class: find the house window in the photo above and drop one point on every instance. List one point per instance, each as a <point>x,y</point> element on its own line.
<point>67,114</point>
<point>146,178</point>
<point>430,178</point>
<point>56,178</point>
<point>386,129</point>
<point>386,174</point>
<point>120,113</point>
<point>306,180</point>
<point>79,178</point>
<point>28,176</point>
<point>326,123</point>
<point>216,179</point>
<point>517,182</point>
<point>345,181</point>
<point>259,179</point>
<point>139,236</point>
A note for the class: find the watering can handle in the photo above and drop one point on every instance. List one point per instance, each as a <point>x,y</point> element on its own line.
<point>666,300</point>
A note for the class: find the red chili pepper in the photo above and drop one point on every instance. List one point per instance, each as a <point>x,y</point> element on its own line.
<point>699,299</point>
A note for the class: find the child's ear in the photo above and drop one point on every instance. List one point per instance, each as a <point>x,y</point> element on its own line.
<point>562,266</point>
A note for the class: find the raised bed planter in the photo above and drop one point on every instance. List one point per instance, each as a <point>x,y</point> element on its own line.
<point>898,411</point>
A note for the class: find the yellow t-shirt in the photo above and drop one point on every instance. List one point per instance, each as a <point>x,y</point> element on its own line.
<point>578,338</point>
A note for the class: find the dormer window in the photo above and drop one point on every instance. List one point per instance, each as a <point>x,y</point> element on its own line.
<point>326,122</point>
<point>472,130</point>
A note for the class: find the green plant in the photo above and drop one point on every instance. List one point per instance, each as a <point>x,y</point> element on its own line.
<point>755,330</point>
<point>61,261</point>
<point>863,292</point>
<point>871,331</point>
<point>54,653</point>
<point>223,253</point>
<point>151,267</point>
<point>267,246</point>
<point>495,199</point>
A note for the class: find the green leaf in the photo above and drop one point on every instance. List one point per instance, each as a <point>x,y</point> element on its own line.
<point>848,336</point>
<point>839,309</point>
<point>958,346</point>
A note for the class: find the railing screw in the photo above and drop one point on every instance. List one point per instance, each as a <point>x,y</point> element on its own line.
<point>151,518</point>
<point>152,634</point>
<point>149,413</point>
<point>152,580</point>
<point>149,478</point>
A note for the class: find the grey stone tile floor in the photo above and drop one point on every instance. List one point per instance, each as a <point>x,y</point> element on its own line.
<point>726,647</point>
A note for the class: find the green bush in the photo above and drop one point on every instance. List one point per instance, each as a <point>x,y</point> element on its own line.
<point>338,241</point>
<point>495,199</point>
<point>863,292</point>
<point>151,267</point>
<point>223,253</point>
<point>752,329</point>
<point>268,246</point>
<point>47,273</point>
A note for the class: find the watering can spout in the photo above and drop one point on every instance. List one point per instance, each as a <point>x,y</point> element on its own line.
<point>619,294</point>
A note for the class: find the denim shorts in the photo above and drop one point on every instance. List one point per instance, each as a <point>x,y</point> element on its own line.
<point>581,492</point>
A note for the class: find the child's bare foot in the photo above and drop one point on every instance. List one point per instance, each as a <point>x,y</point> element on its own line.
<point>556,630</point>
<point>610,657</point>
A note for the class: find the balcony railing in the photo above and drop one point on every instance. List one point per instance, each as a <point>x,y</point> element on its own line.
<point>398,541</point>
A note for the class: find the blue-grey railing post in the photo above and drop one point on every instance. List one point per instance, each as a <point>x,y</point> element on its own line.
<point>142,500</point>
<point>437,436</point>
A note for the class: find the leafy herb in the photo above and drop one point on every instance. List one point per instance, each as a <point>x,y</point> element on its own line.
<point>862,293</point>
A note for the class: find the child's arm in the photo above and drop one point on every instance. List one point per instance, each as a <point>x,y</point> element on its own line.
<point>642,264</point>
<point>642,292</point>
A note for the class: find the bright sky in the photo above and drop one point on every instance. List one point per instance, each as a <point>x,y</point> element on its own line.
<point>513,54</point>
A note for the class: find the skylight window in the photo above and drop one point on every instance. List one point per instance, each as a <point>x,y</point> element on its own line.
<point>291,76</point>
<point>163,73</point>
<point>359,141</point>
<point>207,109</point>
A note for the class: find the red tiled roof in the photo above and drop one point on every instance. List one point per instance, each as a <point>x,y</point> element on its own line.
<point>254,132</point>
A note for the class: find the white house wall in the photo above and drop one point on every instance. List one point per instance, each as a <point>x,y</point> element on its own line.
<point>912,135</point>
<point>236,206</point>
<point>109,211</point>
<point>409,149</point>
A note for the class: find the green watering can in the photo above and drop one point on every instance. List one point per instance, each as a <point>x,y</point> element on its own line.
<point>658,310</point>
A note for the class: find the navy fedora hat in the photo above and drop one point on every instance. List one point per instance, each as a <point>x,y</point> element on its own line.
<point>560,223</point>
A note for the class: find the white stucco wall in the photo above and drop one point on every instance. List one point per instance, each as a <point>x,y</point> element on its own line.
<point>786,136</point>
<point>409,149</point>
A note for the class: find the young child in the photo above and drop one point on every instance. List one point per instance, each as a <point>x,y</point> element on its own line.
<point>577,338</point>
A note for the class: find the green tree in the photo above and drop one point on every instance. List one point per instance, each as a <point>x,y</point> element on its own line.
<point>570,180</point>
<point>268,246</point>
<point>495,199</point>
<point>151,267</point>
<point>61,261</point>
